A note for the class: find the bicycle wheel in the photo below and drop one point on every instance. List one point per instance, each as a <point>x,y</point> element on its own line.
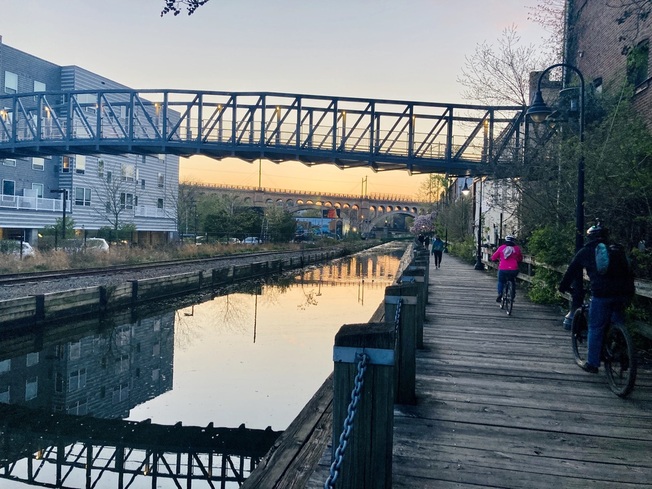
<point>619,360</point>
<point>579,336</point>
<point>509,297</point>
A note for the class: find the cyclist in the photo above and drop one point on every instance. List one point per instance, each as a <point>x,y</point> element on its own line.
<point>610,291</point>
<point>510,256</point>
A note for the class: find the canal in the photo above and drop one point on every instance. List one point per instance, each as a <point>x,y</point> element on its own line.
<point>178,395</point>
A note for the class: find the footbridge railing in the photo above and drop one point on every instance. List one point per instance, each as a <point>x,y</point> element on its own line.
<point>345,131</point>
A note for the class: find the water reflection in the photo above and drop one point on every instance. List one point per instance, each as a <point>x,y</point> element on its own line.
<point>145,381</point>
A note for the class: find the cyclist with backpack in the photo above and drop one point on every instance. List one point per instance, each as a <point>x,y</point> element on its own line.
<point>510,256</point>
<point>612,287</point>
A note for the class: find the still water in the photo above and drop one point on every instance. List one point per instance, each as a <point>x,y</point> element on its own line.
<point>70,396</point>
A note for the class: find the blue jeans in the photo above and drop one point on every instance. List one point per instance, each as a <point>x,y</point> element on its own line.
<point>504,276</point>
<point>602,310</point>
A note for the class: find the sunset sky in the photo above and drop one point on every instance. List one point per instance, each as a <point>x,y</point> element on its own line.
<point>390,49</point>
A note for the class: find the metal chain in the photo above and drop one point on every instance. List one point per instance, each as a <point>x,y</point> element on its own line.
<point>397,318</point>
<point>348,422</point>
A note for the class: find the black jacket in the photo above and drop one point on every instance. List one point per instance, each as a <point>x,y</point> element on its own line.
<point>615,283</point>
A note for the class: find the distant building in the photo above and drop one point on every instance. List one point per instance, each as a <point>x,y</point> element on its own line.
<point>144,188</point>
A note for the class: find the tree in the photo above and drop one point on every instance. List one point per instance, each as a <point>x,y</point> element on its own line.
<point>116,196</point>
<point>500,75</point>
<point>433,189</point>
<point>175,6</point>
<point>282,224</point>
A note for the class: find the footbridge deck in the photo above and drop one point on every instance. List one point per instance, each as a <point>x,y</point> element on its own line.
<point>500,402</point>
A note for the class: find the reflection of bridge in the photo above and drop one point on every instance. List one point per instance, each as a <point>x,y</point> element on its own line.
<point>347,132</point>
<point>59,450</point>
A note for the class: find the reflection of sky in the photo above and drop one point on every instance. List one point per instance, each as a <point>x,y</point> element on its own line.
<point>222,376</point>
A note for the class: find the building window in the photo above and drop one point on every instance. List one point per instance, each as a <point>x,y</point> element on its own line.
<point>58,382</point>
<point>77,380</point>
<point>75,350</point>
<point>82,196</point>
<point>122,364</point>
<point>5,366</point>
<point>637,63</point>
<point>126,201</point>
<point>11,82</point>
<point>8,187</point>
<point>78,408</point>
<point>128,172</point>
<point>161,180</point>
<point>38,164</point>
<point>31,359</point>
<point>4,395</point>
<point>80,164</point>
<point>100,168</point>
<point>109,176</point>
<point>120,393</point>
<point>159,203</point>
<point>38,187</point>
<point>39,86</point>
<point>65,164</point>
<point>31,388</point>
<point>9,162</point>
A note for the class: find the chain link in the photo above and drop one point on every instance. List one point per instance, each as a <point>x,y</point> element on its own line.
<point>397,318</point>
<point>348,422</point>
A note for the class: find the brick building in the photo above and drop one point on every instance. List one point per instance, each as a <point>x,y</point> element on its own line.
<point>145,188</point>
<point>608,41</point>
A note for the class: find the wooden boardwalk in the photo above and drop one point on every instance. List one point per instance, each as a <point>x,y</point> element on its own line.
<point>501,403</point>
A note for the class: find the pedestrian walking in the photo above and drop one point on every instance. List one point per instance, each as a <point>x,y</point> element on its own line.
<point>437,250</point>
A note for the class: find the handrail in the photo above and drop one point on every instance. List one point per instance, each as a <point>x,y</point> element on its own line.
<point>643,287</point>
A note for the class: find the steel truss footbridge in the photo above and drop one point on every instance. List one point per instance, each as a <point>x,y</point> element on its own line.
<point>418,137</point>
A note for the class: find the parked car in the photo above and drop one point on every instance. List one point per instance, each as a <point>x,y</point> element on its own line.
<point>251,240</point>
<point>97,244</point>
<point>14,247</point>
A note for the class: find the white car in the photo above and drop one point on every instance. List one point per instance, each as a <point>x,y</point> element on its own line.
<point>14,247</point>
<point>251,240</point>
<point>97,244</point>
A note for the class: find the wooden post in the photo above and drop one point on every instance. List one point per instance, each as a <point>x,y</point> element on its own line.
<point>406,339</point>
<point>367,459</point>
<point>417,275</point>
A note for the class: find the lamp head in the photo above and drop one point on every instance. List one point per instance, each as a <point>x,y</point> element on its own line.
<point>538,111</point>
<point>465,189</point>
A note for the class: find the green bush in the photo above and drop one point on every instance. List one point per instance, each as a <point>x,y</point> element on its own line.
<point>552,245</point>
<point>543,288</point>
<point>466,250</point>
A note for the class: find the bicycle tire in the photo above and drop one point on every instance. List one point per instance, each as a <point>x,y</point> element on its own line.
<point>619,360</point>
<point>580,336</point>
<point>509,297</point>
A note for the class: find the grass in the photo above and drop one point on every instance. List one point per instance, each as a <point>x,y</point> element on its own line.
<point>124,255</point>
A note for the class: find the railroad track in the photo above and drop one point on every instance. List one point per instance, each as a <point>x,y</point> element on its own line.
<point>18,278</point>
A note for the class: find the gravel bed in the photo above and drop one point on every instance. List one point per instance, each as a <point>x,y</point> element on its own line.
<point>117,278</point>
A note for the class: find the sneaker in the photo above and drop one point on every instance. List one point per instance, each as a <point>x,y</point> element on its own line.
<point>587,367</point>
<point>499,298</point>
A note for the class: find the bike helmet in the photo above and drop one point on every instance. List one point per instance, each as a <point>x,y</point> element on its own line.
<point>510,239</point>
<point>596,231</point>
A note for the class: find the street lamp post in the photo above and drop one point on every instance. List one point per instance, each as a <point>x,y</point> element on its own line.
<point>64,192</point>
<point>478,258</point>
<point>538,112</point>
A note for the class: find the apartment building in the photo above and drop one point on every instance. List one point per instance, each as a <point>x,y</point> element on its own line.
<point>143,188</point>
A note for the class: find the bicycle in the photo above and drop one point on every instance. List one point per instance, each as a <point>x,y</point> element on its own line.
<point>509,292</point>
<point>618,354</point>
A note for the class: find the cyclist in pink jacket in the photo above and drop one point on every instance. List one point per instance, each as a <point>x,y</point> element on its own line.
<point>510,256</point>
